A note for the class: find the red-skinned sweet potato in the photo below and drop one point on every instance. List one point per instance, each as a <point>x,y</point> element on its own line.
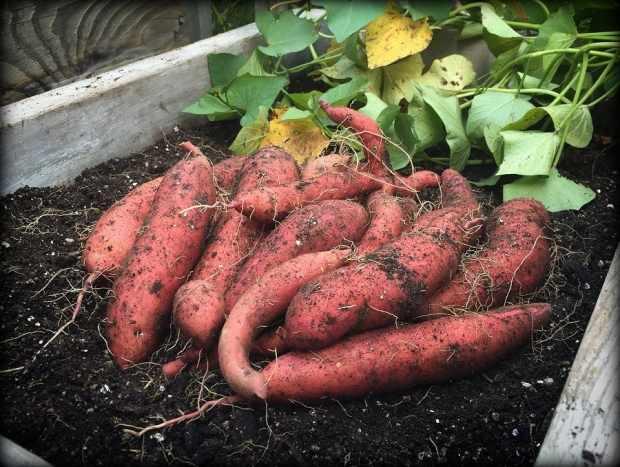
<point>169,244</point>
<point>390,359</point>
<point>324,164</point>
<point>515,261</point>
<point>261,304</point>
<point>368,132</point>
<point>388,217</point>
<point>270,204</point>
<point>392,281</point>
<point>199,304</point>
<point>317,227</point>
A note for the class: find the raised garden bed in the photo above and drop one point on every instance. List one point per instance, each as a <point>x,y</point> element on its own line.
<point>65,402</point>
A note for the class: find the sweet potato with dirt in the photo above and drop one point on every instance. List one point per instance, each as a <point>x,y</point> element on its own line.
<point>390,282</point>
<point>269,166</point>
<point>261,303</point>
<point>167,248</point>
<point>388,216</point>
<point>388,360</point>
<point>272,203</point>
<point>368,132</point>
<point>419,180</point>
<point>515,261</point>
<point>317,227</point>
<point>198,309</point>
<point>324,164</point>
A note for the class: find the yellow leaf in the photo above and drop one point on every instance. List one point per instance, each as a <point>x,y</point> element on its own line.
<point>393,36</point>
<point>399,78</point>
<point>301,138</point>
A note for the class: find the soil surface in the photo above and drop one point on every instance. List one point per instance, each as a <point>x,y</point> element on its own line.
<point>69,404</point>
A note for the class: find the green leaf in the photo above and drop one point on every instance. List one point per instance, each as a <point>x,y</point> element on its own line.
<point>528,152</point>
<point>213,108</point>
<point>579,127</point>
<point>494,24</point>
<point>344,68</point>
<point>448,110</point>
<point>374,106</point>
<point>497,108</point>
<point>529,119</point>
<point>488,181</point>
<point>304,100</point>
<point>354,50</point>
<point>427,126</point>
<point>344,93</point>
<point>250,92</point>
<point>555,192</point>
<point>399,78</point>
<point>254,66</point>
<point>451,73</point>
<point>436,9</point>
<point>223,67</point>
<point>284,33</point>
<point>293,113</point>
<point>405,130</point>
<point>557,32</point>
<point>344,17</point>
<point>494,142</point>
<point>250,136</point>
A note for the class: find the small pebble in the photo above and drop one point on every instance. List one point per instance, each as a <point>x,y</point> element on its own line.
<point>69,240</point>
<point>548,381</point>
<point>495,416</point>
<point>526,385</point>
<point>610,206</point>
<point>158,437</point>
<point>600,263</point>
<point>586,286</point>
<point>515,432</point>
<point>6,244</point>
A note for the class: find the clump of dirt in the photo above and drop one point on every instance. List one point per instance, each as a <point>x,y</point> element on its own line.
<point>69,404</point>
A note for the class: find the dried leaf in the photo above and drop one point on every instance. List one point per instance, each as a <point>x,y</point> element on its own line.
<point>393,36</point>
<point>301,137</point>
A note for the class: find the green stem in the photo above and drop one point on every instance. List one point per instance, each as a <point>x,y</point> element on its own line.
<point>521,24</point>
<point>599,81</point>
<point>468,6</point>
<point>546,92</point>
<point>543,7</point>
<point>315,56</point>
<point>604,96</point>
<point>323,58</point>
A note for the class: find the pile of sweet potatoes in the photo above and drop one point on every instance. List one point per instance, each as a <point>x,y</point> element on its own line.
<point>334,269</point>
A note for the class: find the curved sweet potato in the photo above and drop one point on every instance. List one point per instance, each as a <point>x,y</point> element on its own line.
<point>169,245</point>
<point>391,359</point>
<point>388,217</point>
<point>514,262</point>
<point>263,302</point>
<point>269,166</point>
<point>417,181</point>
<point>368,132</point>
<point>391,282</point>
<point>316,227</point>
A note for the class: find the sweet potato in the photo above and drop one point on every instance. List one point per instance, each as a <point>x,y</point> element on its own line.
<point>273,203</point>
<point>514,262</point>
<point>388,216</point>
<point>324,164</point>
<point>198,309</point>
<point>317,227</point>
<point>391,359</point>
<point>227,173</point>
<point>169,244</point>
<point>269,166</point>
<point>199,304</point>
<point>390,282</point>
<point>417,181</point>
<point>263,302</point>
<point>368,132</point>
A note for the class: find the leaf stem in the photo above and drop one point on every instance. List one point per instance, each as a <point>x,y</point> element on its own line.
<point>546,92</point>
<point>522,24</point>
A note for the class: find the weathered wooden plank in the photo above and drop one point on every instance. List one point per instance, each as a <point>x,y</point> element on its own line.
<point>50,138</point>
<point>584,429</point>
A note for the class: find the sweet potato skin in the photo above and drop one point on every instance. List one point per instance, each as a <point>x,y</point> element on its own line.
<point>514,262</point>
<point>387,360</point>
<point>324,164</point>
<point>199,305</point>
<point>272,203</point>
<point>366,129</point>
<point>160,260</point>
<point>313,228</point>
<point>227,173</point>
<point>388,217</point>
<point>116,230</point>
<point>258,306</point>
<point>389,283</point>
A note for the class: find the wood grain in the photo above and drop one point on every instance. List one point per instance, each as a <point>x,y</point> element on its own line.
<point>46,44</point>
<point>584,429</point>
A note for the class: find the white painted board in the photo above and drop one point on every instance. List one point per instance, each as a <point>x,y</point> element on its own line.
<point>585,428</point>
<point>51,138</point>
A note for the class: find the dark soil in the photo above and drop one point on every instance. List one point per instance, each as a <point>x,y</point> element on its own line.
<point>67,402</point>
